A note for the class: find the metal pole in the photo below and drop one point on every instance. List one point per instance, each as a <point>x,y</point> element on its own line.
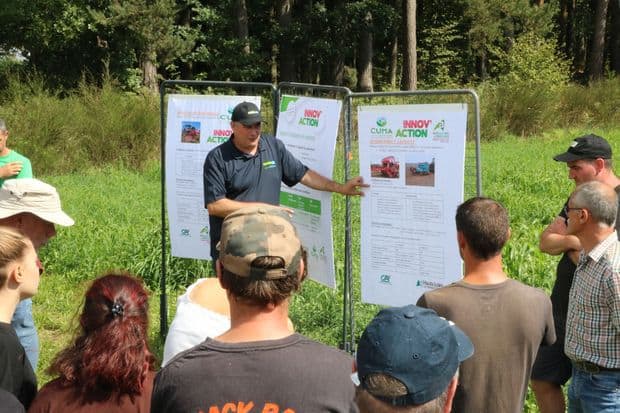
<point>163,303</point>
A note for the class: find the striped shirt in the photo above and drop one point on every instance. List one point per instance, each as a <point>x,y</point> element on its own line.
<point>593,322</point>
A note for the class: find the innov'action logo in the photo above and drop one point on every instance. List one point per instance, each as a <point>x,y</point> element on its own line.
<point>219,135</point>
<point>311,117</point>
<point>204,234</point>
<point>440,132</point>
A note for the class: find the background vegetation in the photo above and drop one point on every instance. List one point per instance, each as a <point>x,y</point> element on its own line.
<point>363,44</point>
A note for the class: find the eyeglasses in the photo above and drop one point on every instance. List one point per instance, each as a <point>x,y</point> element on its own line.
<point>567,208</point>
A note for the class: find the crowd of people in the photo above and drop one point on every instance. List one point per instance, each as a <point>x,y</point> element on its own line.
<point>471,346</point>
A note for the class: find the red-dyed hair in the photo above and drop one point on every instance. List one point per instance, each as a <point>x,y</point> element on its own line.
<point>110,353</point>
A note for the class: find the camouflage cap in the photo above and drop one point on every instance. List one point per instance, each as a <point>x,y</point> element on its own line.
<point>259,232</point>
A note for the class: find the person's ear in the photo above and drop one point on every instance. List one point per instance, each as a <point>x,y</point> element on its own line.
<point>599,164</point>
<point>15,274</point>
<point>302,267</point>
<point>218,271</point>
<point>460,238</point>
<point>450,395</point>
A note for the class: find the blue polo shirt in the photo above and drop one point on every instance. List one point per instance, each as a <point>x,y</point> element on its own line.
<point>230,173</point>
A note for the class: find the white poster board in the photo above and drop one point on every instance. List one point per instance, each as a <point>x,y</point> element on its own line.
<point>413,158</point>
<point>309,127</point>
<point>195,125</point>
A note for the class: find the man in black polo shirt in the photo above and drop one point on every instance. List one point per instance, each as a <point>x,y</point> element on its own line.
<point>248,168</point>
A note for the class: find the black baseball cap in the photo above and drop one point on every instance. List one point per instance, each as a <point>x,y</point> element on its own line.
<point>586,147</point>
<point>246,113</point>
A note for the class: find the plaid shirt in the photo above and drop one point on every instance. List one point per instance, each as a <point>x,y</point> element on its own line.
<point>593,322</point>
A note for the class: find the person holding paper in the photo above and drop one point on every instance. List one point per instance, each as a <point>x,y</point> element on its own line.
<point>247,170</point>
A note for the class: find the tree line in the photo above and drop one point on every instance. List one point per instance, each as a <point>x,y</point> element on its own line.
<point>363,44</point>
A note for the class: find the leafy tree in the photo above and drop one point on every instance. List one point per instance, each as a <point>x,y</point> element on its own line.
<point>54,36</point>
<point>146,28</point>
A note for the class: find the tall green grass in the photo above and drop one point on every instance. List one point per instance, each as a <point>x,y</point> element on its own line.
<point>86,127</point>
<point>529,108</point>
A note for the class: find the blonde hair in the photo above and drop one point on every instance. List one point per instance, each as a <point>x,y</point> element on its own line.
<point>12,247</point>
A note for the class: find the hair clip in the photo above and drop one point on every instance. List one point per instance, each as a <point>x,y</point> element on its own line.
<point>117,309</point>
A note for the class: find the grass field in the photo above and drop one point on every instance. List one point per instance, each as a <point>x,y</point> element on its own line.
<point>117,214</point>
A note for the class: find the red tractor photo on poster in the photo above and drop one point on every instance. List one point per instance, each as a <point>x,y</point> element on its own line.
<point>388,168</point>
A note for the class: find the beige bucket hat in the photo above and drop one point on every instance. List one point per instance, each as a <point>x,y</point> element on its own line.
<point>34,196</point>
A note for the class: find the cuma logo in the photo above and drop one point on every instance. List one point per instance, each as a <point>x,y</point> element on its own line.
<point>385,279</point>
<point>185,232</point>
<point>226,115</point>
<point>381,122</point>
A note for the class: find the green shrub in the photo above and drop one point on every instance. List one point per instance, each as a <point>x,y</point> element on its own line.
<point>91,126</point>
<point>534,59</point>
<point>595,105</point>
<point>525,100</point>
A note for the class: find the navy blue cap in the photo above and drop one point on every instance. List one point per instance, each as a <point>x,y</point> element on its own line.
<point>586,147</point>
<point>246,113</point>
<point>415,346</point>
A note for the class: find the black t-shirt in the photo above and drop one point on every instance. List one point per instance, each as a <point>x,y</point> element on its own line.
<point>292,375</point>
<point>230,173</point>
<point>16,374</point>
<point>9,403</point>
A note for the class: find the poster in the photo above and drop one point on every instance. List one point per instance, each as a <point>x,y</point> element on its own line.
<point>309,127</point>
<point>195,125</point>
<point>413,157</point>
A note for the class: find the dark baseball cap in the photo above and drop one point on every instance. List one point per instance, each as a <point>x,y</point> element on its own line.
<point>586,147</point>
<point>246,113</point>
<point>415,346</point>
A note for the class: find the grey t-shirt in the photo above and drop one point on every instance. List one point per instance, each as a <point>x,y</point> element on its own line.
<point>506,322</point>
<point>293,374</point>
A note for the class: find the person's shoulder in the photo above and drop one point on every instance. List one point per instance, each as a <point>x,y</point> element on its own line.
<point>7,331</point>
<point>329,353</point>
<point>271,141</point>
<point>444,291</point>
<point>183,359</point>
<point>19,156</point>
<point>53,390</point>
<point>527,290</point>
<point>218,150</point>
<point>53,386</point>
<point>9,403</point>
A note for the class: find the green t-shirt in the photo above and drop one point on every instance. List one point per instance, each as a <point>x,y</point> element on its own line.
<point>15,156</point>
